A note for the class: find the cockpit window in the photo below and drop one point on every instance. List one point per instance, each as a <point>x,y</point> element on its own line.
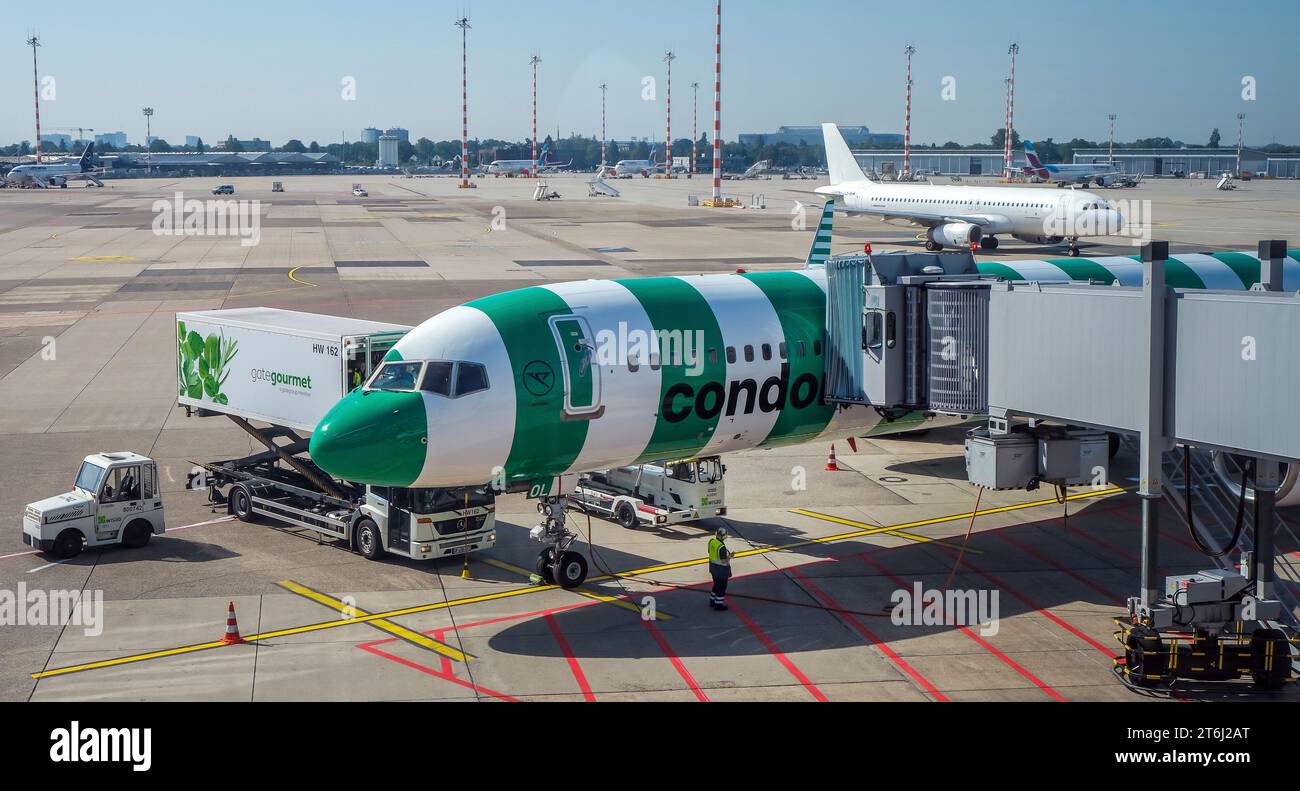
<point>397,377</point>
<point>470,378</point>
<point>437,379</point>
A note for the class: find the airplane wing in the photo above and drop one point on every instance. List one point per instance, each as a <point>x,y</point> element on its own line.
<point>989,222</point>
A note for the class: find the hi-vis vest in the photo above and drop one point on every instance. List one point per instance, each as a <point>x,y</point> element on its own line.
<point>716,556</point>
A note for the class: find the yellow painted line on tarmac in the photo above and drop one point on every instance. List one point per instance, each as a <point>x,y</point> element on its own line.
<point>587,592</point>
<point>879,530</point>
<point>396,630</point>
<point>103,259</point>
<point>292,277</point>
<point>510,594</point>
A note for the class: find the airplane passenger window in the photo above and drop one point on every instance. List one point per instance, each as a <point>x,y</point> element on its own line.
<point>397,377</point>
<point>437,379</point>
<point>731,355</point>
<point>749,354</point>
<point>785,352</point>
<point>713,356</point>
<point>817,348</point>
<point>633,364</point>
<point>654,361</point>
<point>803,349</point>
<point>767,351</point>
<point>470,378</point>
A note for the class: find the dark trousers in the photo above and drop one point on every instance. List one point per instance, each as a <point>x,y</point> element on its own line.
<point>719,595</point>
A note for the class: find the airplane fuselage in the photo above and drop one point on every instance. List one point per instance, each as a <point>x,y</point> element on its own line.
<point>597,374</point>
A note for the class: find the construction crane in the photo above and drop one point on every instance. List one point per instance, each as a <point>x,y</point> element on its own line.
<point>81,130</point>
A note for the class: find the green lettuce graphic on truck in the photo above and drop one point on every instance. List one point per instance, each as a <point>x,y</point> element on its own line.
<point>202,364</point>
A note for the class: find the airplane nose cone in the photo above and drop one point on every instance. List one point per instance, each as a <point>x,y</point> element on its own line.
<point>375,438</point>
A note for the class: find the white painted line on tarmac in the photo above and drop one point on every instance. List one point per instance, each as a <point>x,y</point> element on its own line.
<point>169,530</point>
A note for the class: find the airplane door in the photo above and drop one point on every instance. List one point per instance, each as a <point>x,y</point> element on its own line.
<point>581,372</point>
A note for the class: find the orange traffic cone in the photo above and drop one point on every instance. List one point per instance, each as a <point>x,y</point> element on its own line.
<point>853,444</point>
<point>831,465</point>
<point>231,637</point>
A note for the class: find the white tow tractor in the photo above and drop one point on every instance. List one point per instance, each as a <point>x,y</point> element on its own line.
<point>115,500</point>
<point>664,493</point>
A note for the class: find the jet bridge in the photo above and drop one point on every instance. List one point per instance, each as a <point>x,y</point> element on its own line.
<point>1058,366</point>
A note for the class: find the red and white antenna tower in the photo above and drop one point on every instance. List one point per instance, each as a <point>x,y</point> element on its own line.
<point>1013,50</point>
<point>695,126</point>
<point>34,42</point>
<point>463,24</point>
<point>717,114</point>
<point>907,120</point>
<point>604,89</point>
<point>668,119</point>
<point>534,61</point>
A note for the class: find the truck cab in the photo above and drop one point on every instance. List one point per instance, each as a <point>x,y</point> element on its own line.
<point>667,492</point>
<point>423,524</point>
<point>115,499</point>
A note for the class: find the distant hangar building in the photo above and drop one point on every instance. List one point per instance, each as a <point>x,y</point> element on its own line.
<point>938,161</point>
<point>1177,161</point>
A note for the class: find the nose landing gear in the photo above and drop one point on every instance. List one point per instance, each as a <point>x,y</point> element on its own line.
<point>557,564</point>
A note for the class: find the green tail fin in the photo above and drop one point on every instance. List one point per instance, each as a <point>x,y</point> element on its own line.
<point>821,247</point>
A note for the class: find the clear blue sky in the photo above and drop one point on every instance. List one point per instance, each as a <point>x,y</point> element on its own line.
<point>273,69</point>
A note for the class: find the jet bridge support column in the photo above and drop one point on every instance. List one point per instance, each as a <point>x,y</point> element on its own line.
<point>1268,474</point>
<point>1154,256</point>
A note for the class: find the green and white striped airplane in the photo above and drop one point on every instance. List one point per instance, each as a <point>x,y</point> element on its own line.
<point>530,385</point>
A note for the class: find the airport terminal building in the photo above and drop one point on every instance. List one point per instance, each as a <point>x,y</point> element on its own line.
<point>218,163</point>
<point>812,136</point>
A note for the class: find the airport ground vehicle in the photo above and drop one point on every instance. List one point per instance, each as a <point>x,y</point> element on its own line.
<point>224,189</point>
<point>287,370</point>
<point>360,191</point>
<point>114,500</point>
<point>277,186</point>
<point>666,493</point>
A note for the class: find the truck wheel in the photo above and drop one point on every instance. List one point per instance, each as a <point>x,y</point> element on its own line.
<point>1143,657</point>
<point>137,534</point>
<point>571,570</point>
<point>545,566</point>
<point>369,544</point>
<point>68,544</point>
<point>1268,675</point>
<point>241,504</point>
<point>626,515</point>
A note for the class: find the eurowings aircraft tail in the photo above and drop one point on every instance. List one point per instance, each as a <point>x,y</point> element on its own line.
<point>1035,166</point>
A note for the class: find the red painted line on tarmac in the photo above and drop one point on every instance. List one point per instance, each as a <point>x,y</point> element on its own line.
<point>436,674</point>
<point>1137,520</point>
<point>574,666</point>
<point>1011,663</point>
<point>779,655</point>
<point>691,683</point>
<point>1036,606</point>
<point>1028,550</point>
<point>827,600</point>
<point>1035,680</point>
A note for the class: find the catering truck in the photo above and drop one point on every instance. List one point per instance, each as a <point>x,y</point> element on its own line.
<point>275,374</point>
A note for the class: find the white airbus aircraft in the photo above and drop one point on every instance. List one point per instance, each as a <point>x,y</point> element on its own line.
<point>58,175</point>
<point>960,216</point>
<point>638,167</point>
<point>525,167</point>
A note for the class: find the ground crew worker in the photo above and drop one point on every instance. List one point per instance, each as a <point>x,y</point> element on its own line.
<point>719,569</point>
